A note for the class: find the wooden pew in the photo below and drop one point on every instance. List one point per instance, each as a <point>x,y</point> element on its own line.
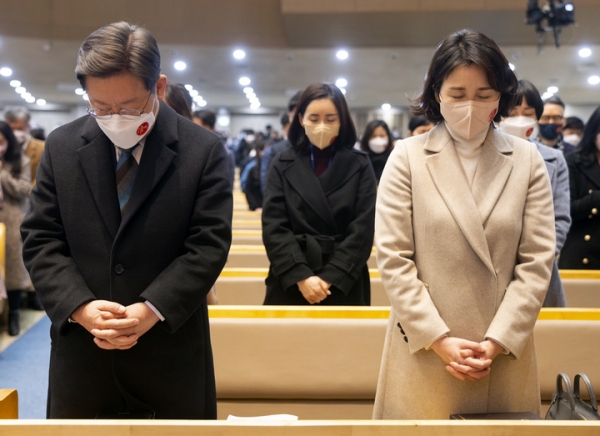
<point>9,404</point>
<point>323,363</point>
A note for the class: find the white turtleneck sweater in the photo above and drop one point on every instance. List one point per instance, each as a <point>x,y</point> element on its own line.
<point>468,151</point>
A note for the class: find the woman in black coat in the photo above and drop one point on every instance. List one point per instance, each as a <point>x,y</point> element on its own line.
<point>319,208</point>
<point>378,143</point>
<point>582,247</point>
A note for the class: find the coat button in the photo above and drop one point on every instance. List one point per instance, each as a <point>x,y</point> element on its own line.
<point>590,192</point>
<point>587,237</point>
<point>405,339</point>
<point>119,269</point>
<point>585,261</point>
<point>590,216</point>
<point>594,211</point>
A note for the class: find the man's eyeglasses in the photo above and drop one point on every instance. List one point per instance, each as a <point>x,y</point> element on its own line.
<point>556,119</point>
<point>129,114</point>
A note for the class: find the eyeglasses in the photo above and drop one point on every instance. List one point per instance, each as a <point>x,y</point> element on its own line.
<point>556,119</point>
<point>129,114</point>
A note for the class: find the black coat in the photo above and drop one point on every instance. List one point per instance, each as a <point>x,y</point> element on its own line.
<point>168,248</point>
<point>319,226</point>
<point>582,247</point>
<point>378,160</point>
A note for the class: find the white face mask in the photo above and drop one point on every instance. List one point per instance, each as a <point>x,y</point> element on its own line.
<point>521,127</point>
<point>572,139</point>
<point>22,136</point>
<point>378,144</point>
<point>125,133</point>
<point>250,139</point>
<point>468,119</point>
<point>322,135</point>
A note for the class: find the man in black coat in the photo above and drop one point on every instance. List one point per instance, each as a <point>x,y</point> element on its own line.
<point>129,227</point>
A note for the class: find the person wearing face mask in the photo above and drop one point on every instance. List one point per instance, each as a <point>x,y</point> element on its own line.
<point>582,247</point>
<point>550,125</point>
<point>15,181</point>
<point>572,130</point>
<point>465,246</point>
<point>419,125</point>
<point>377,143</point>
<point>128,229</point>
<point>319,208</point>
<point>522,122</point>
<point>18,118</point>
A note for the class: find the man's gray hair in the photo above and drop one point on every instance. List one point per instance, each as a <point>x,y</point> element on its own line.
<point>116,49</point>
<point>17,113</point>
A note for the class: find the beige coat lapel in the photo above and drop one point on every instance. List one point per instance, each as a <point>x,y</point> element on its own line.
<point>447,174</point>
<point>492,173</point>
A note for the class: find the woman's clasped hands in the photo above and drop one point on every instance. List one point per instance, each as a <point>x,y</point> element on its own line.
<point>467,360</point>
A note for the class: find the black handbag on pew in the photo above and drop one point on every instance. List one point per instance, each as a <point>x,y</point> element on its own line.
<point>567,403</point>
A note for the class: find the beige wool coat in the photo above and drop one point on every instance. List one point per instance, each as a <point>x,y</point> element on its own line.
<point>470,262</point>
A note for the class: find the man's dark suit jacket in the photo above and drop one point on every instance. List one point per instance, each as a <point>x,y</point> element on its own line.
<point>168,248</point>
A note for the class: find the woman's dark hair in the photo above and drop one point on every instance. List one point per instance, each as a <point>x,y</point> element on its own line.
<point>528,91</point>
<point>466,47</point>
<point>179,99</point>
<point>418,121</point>
<point>319,91</point>
<point>364,141</point>
<point>587,145</point>
<point>13,150</point>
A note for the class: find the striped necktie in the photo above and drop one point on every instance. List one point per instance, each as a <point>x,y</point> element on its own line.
<point>127,168</point>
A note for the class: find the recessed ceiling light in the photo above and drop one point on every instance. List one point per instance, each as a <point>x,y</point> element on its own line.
<point>41,102</point>
<point>585,52</point>
<point>30,99</point>
<point>79,91</point>
<point>250,95</point>
<point>244,81</point>
<point>341,82</point>
<point>180,65</point>
<point>239,54</point>
<point>5,71</point>
<point>85,97</point>
<point>254,105</point>
<point>189,87</point>
<point>343,90</point>
<point>202,103</point>
<point>248,90</point>
<point>26,95</point>
<point>193,93</point>
<point>20,90</point>
<point>342,55</point>
<point>386,106</point>
<point>198,98</point>
<point>552,89</point>
<point>594,80</point>
<point>15,83</point>
<point>512,66</point>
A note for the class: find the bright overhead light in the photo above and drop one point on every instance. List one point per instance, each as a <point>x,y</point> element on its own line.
<point>5,71</point>
<point>41,102</point>
<point>193,93</point>
<point>254,105</point>
<point>343,90</point>
<point>85,97</point>
<point>341,82</point>
<point>342,55</point>
<point>189,87</point>
<point>202,103</point>
<point>20,90</point>
<point>251,95</point>
<point>79,91</point>
<point>386,106</point>
<point>512,66</point>
<point>180,65</point>
<point>244,81</point>
<point>239,54</point>
<point>15,83</point>
<point>30,99</point>
<point>585,52</point>
<point>594,80</point>
<point>26,95</point>
<point>546,95</point>
<point>552,89</point>
<point>198,98</point>
<point>248,90</point>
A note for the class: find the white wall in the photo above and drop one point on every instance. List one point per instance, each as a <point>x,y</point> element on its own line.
<point>583,112</point>
<point>50,120</point>
<point>256,122</point>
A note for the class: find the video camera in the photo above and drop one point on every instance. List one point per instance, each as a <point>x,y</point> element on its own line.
<point>557,14</point>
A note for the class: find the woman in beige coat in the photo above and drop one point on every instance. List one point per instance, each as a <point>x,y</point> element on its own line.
<point>465,245</point>
<point>15,179</point>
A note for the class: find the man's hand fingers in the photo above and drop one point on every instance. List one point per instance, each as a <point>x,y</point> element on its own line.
<point>105,345</point>
<point>114,324</point>
<point>111,335</point>
<point>110,306</point>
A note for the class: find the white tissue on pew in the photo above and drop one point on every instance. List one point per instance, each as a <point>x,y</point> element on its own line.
<point>279,417</point>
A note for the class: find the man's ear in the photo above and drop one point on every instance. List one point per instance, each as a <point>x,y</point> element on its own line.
<point>161,87</point>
